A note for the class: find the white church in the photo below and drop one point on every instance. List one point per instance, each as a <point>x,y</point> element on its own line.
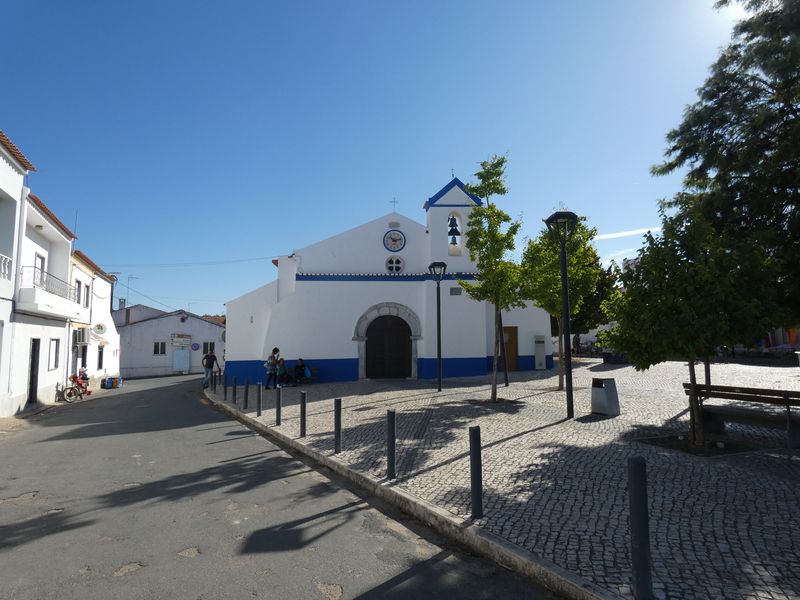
<point>362,305</point>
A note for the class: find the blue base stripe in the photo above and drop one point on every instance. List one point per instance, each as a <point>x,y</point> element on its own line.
<point>346,369</point>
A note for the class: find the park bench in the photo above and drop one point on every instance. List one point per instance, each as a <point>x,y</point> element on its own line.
<point>713,417</point>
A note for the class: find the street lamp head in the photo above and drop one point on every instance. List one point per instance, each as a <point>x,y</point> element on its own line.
<point>562,224</point>
<point>437,270</point>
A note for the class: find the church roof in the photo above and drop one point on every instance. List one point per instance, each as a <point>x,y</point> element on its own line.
<point>456,182</point>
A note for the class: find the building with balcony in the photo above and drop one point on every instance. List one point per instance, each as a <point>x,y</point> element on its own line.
<point>45,303</point>
<point>14,167</point>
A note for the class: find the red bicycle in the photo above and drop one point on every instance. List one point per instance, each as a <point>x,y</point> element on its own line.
<point>77,389</point>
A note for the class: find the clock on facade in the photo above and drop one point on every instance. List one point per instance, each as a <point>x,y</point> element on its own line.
<point>394,240</point>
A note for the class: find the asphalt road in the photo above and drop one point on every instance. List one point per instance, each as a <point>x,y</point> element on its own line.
<point>148,492</point>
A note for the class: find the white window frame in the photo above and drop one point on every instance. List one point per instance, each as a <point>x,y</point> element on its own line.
<point>160,349</point>
<point>86,295</point>
<point>53,354</point>
<point>78,288</point>
<point>208,346</point>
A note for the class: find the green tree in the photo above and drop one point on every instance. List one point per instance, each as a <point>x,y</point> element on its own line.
<point>740,147</point>
<point>541,275</point>
<point>491,237</point>
<point>684,297</point>
<point>590,314</point>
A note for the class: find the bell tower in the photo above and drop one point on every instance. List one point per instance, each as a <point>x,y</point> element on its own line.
<point>448,212</point>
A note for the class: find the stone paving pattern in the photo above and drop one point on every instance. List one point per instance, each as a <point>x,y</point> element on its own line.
<point>721,527</point>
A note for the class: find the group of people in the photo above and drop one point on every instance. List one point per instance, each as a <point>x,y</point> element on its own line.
<point>277,372</point>
<point>279,375</point>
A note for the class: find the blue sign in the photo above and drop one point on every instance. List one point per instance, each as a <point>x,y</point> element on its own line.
<point>195,346</point>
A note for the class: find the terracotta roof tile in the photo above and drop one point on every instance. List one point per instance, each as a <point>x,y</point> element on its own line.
<point>51,215</point>
<point>15,152</point>
<point>90,263</point>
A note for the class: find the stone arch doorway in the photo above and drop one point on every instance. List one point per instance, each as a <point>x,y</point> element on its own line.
<point>387,309</point>
<point>388,352</point>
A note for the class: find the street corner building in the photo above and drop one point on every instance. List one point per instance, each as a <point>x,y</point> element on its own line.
<point>362,305</point>
<point>55,302</point>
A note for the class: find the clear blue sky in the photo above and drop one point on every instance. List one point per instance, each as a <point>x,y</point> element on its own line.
<point>196,131</point>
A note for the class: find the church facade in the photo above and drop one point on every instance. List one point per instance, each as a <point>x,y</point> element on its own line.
<point>362,304</point>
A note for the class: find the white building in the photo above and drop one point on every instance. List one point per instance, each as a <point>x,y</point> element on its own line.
<point>43,310</point>
<point>95,341</point>
<point>156,343</point>
<point>362,304</point>
<point>14,167</point>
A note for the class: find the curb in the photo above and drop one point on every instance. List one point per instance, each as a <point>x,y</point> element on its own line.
<point>477,539</point>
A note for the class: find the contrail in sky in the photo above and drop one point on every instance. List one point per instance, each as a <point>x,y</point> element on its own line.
<point>622,234</point>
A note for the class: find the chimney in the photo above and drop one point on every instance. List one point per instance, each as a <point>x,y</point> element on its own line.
<point>121,303</point>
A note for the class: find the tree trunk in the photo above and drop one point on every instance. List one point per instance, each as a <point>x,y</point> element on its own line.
<point>496,352</point>
<point>576,344</point>
<point>503,349</point>
<point>695,417</point>
<point>707,365</point>
<point>560,353</point>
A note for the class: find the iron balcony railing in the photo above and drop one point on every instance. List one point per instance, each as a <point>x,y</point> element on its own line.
<point>35,277</point>
<point>5,267</point>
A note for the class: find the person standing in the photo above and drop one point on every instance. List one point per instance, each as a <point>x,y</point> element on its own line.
<point>209,360</point>
<point>272,368</point>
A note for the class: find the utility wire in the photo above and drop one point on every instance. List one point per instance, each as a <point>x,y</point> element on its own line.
<point>193,264</point>
<point>130,289</point>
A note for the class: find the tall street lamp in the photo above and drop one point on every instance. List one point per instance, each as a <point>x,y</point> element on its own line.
<point>562,224</point>
<point>437,270</point>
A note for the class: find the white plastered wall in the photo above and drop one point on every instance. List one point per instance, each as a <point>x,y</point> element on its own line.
<point>137,358</point>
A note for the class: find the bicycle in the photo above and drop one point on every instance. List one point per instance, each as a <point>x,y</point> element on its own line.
<point>70,393</point>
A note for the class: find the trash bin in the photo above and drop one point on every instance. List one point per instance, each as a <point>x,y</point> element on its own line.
<point>604,397</point>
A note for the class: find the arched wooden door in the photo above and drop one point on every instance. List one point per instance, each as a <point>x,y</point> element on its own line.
<point>388,348</point>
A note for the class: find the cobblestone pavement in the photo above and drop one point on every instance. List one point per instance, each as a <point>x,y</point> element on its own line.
<point>724,526</point>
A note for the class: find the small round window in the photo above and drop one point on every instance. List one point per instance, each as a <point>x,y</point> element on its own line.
<point>394,264</point>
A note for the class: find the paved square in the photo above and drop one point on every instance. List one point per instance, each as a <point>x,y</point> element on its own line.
<point>721,527</point>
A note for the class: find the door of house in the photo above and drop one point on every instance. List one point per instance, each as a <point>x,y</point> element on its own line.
<point>181,360</point>
<point>512,351</point>
<point>33,377</point>
<point>388,348</point>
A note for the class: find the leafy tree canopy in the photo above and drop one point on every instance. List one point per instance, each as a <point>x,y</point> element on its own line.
<point>541,269</point>
<point>740,147</point>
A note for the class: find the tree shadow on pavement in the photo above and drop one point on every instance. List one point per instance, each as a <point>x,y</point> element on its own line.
<point>38,527</point>
<point>120,414</point>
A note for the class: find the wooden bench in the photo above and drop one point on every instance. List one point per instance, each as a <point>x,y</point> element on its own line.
<point>712,418</point>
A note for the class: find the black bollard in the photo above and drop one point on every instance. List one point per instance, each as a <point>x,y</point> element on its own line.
<point>278,397</point>
<point>246,394</point>
<point>390,444</point>
<point>258,400</point>
<point>302,414</point>
<point>213,382</point>
<point>233,395</point>
<point>640,529</point>
<point>224,389</point>
<point>337,425</point>
<point>475,469</point>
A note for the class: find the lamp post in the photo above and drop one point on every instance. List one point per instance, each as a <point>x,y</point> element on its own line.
<point>437,270</point>
<point>562,224</point>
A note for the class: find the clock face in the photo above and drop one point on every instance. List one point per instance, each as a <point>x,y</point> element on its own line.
<point>394,240</point>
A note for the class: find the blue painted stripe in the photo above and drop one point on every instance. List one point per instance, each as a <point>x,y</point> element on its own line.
<point>323,369</point>
<point>382,277</point>
<point>346,369</point>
